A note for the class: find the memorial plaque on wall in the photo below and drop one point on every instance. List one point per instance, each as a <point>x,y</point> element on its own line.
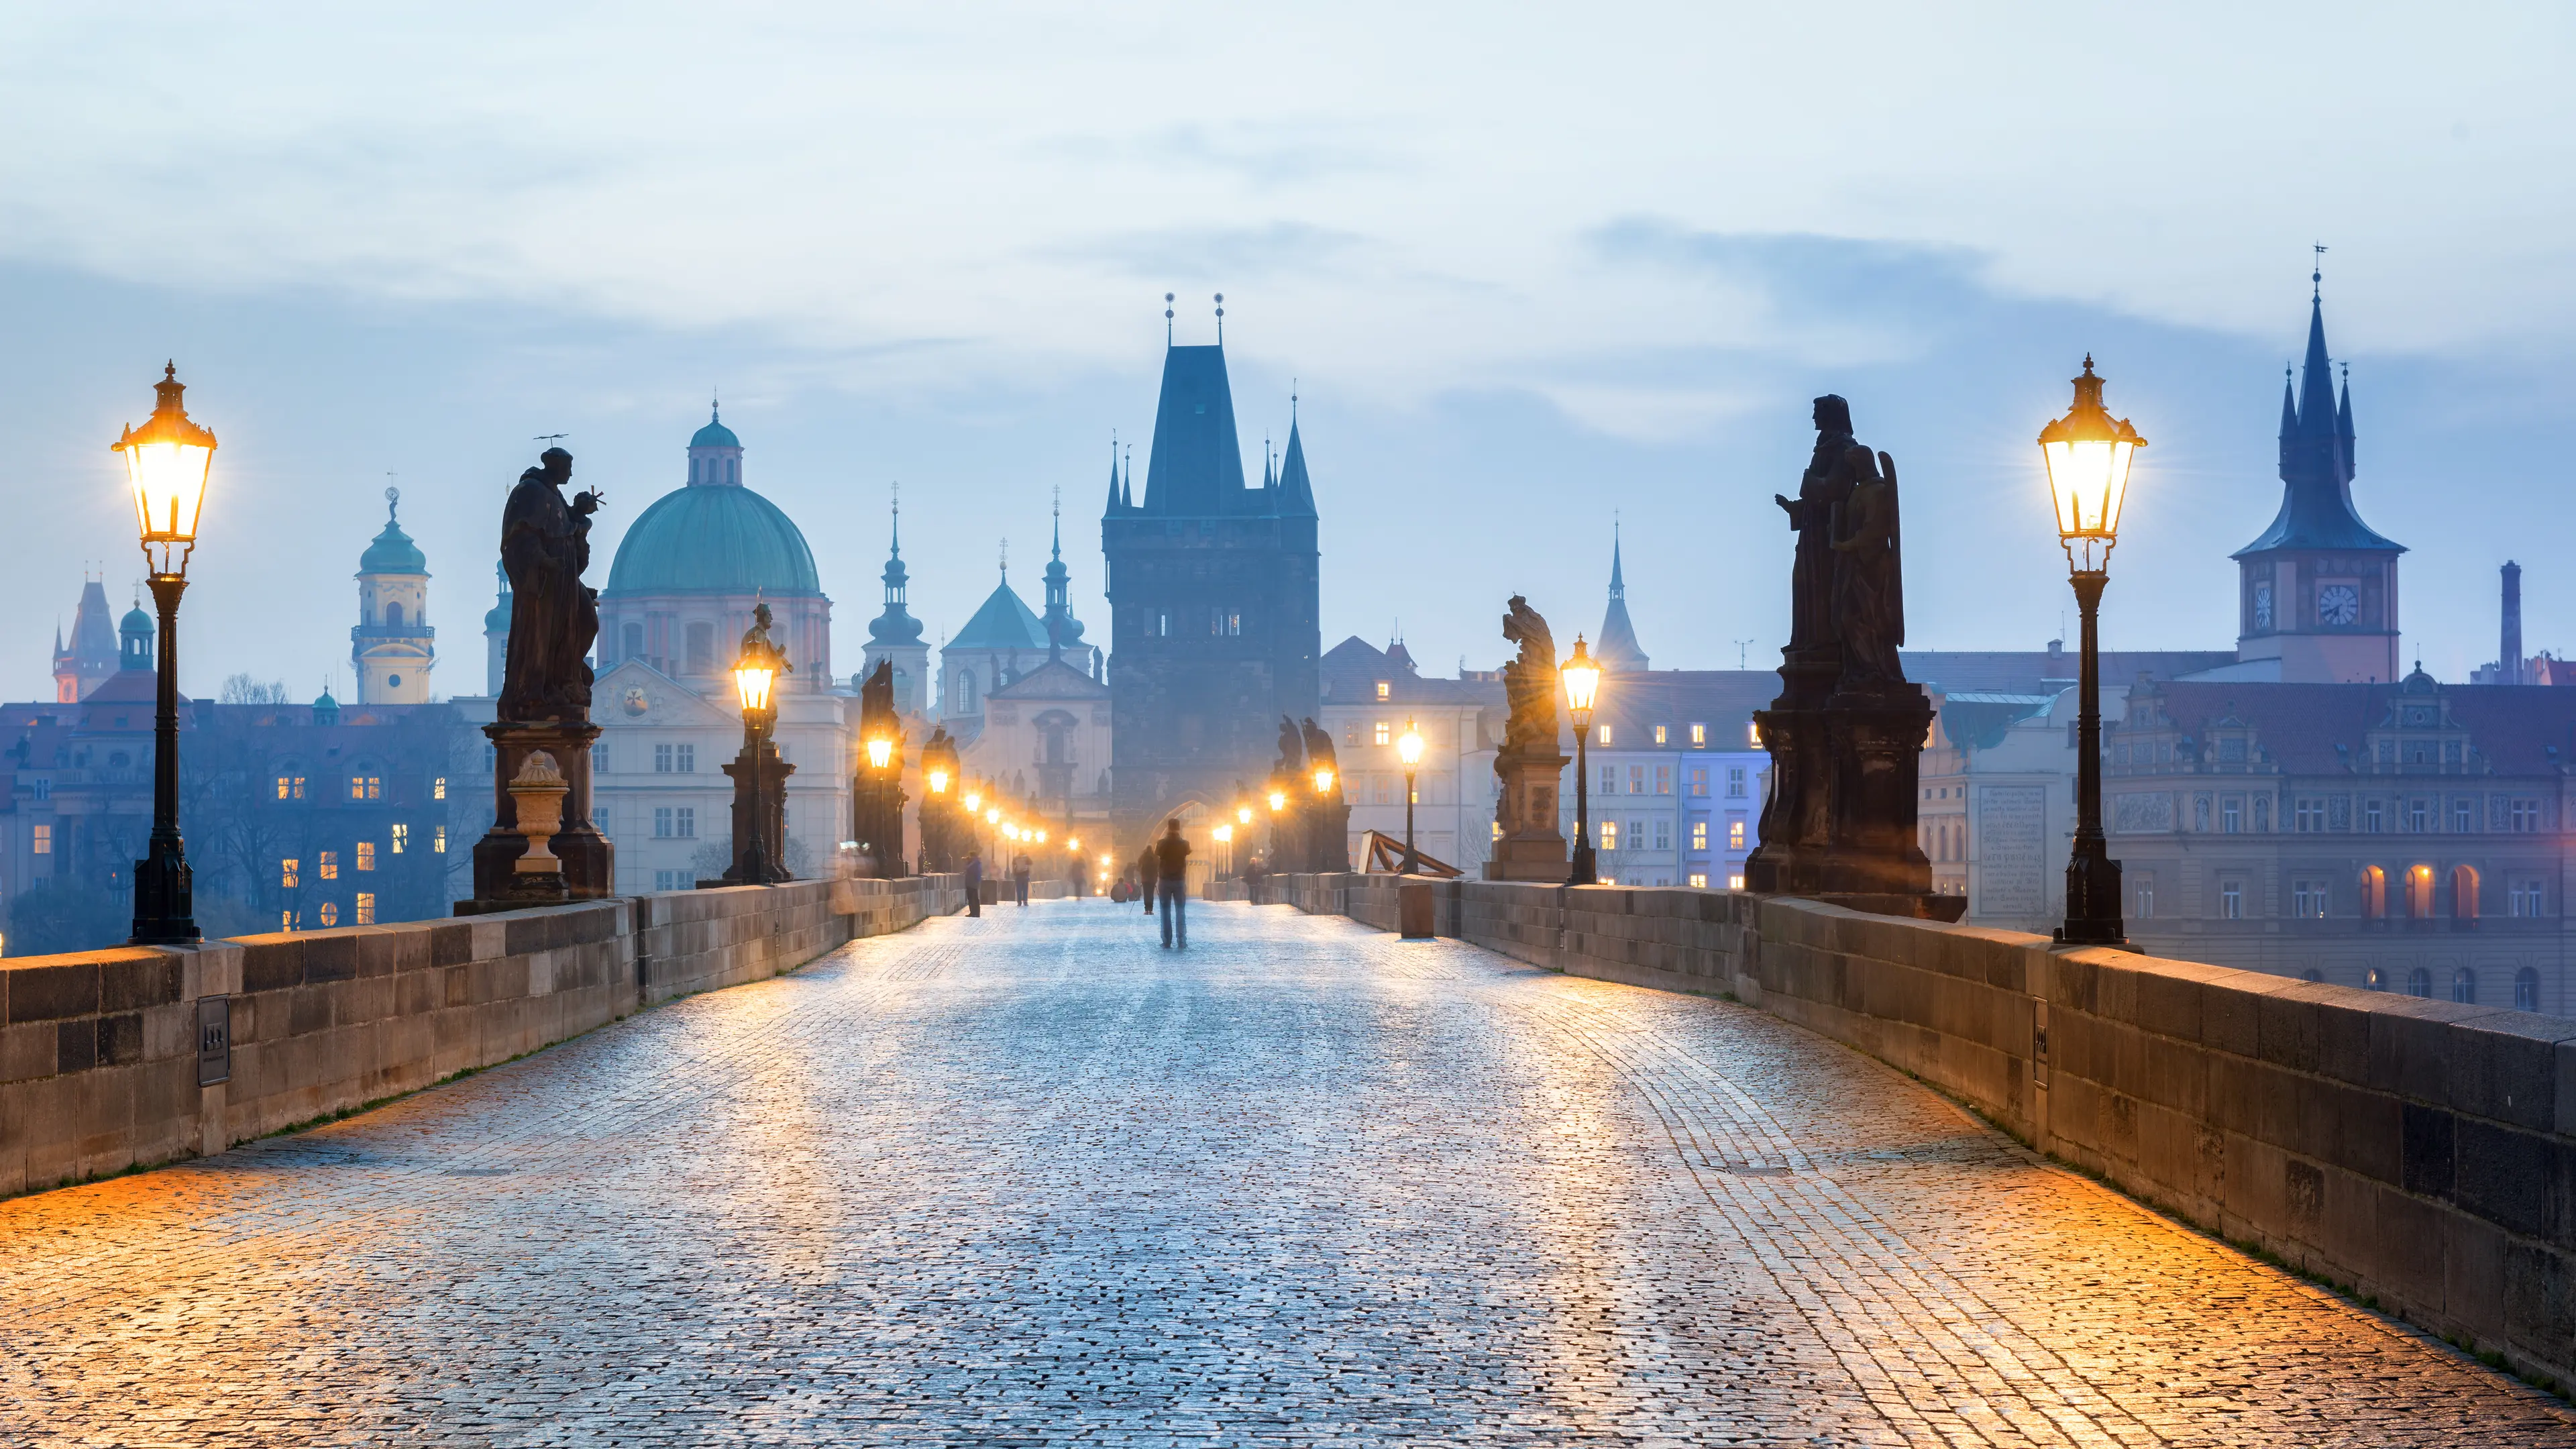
<point>214,1040</point>
<point>2012,850</point>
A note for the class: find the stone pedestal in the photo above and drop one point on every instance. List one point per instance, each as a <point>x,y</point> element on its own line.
<point>1531,846</point>
<point>764,808</point>
<point>1842,813</point>
<point>589,861</point>
<point>1328,833</point>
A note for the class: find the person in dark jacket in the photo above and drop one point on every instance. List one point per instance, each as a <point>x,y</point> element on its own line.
<point>1146,870</point>
<point>1172,868</point>
<point>974,884</point>
<point>1021,869</point>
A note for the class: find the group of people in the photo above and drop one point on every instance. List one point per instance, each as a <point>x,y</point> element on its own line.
<point>1161,879</point>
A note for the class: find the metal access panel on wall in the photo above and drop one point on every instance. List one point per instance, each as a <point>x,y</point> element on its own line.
<point>214,1040</point>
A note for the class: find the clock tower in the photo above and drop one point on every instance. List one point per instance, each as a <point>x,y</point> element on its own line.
<point>2318,591</point>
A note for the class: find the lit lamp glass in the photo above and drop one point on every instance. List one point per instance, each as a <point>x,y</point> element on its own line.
<point>974,801</point>
<point>1224,833</point>
<point>993,816</point>
<point>1409,748</point>
<point>1582,685</point>
<point>2088,453</point>
<point>1323,780</point>
<point>880,750</point>
<point>1278,801</point>
<point>1073,842</point>
<point>752,676</point>
<point>1041,837</point>
<point>939,783</point>
<point>1243,815</point>
<point>166,461</point>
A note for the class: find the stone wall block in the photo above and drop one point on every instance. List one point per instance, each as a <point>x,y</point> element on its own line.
<point>2410,1049</point>
<point>2506,1177</point>
<point>2176,1075</point>
<point>135,982</point>
<point>2358,1131</point>
<point>374,949</point>
<point>2288,1027</point>
<point>2231,1009</point>
<point>330,956</point>
<point>2505,1066</point>
<point>2428,1164</point>
<point>2538,1300</point>
<point>2410,1252</point>
<point>53,992</point>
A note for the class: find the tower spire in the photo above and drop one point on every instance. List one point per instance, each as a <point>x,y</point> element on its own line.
<point>1167,319</point>
<point>1220,319</point>
<point>1057,550</point>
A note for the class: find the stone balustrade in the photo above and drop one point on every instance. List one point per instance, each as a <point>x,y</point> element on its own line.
<point>2418,1153</point>
<point>102,1053</point>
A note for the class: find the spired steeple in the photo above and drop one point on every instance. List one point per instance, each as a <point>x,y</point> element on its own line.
<point>2317,458</point>
<point>896,625</point>
<point>1063,631</point>
<point>1295,493</point>
<point>1619,651</point>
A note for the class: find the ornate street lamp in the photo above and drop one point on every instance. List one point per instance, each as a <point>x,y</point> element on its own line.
<point>755,676</point>
<point>1409,750</point>
<point>1225,836</point>
<point>2088,454</point>
<point>1582,683</point>
<point>166,460</point>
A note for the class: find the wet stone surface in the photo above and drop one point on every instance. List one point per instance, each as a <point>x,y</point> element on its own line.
<point>1033,1180</point>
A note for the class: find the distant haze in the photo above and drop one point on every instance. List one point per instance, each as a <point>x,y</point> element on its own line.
<point>1526,266</point>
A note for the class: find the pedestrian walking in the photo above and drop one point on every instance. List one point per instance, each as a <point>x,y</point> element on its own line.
<point>1172,869</point>
<point>1146,873</point>
<point>1020,869</point>
<point>974,884</point>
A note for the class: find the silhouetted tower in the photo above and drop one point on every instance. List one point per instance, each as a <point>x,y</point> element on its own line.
<point>2510,668</point>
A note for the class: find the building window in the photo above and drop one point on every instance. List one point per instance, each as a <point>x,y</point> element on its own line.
<point>1699,882</point>
<point>402,837</point>
<point>1609,779</point>
<point>2522,897</point>
<point>438,788</point>
<point>2464,893</point>
<point>1382,733</point>
<point>366,787</point>
<point>2464,986</point>
<point>330,913</point>
<point>1753,733</point>
<point>1663,779</point>
<point>1735,834</point>
<point>666,880</point>
<point>2464,817</point>
<point>661,822</point>
<point>1636,779</point>
<point>1699,781</point>
<point>1382,691</point>
<point>2525,816</point>
<point>283,784</point>
<point>1605,735</point>
<point>1735,782</point>
<point>1663,834</point>
<point>2374,893</point>
<point>2309,815</point>
<point>1659,734</point>
<point>438,839</point>
<point>40,840</point>
<point>328,865</point>
<point>289,874</point>
<point>2308,900</point>
<point>366,855</point>
<point>1699,734</point>
<point>687,823</point>
<point>2231,901</point>
<point>2231,816</point>
<point>688,759</point>
<point>965,691</point>
<point>366,908</point>
<point>2147,899</point>
<point>1699,836</point>
<point>1609,835</point>
<point>286,920</point>
<point>2526,990</point>
<point>661,759</point>
<point>1735,882</point>
<point>2419,982</point>
<point>2370,817</point>
<point>2419,816</point>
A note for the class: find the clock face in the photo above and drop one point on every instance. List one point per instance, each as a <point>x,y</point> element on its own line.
<point>2338,604</point>
<point>2262,606</point>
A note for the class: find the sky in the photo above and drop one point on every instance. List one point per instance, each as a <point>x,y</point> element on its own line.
<point>1528,269</point>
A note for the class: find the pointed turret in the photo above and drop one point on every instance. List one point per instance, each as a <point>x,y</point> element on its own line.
<point>2316,461</point>
<point>2343,426</point>
<point>2289,419</point>
<point>1113,477</point>
<point>1196,468</point>
<point>1296,493</point>
<point>1619,651</point>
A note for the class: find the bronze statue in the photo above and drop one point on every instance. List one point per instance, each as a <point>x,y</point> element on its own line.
<point>1319,750</point>
<point>1292,748</point>
<point>1869,578</point>
<point>1821,491</point>
<point>1529,681</point>
<point>554,616</point>
<point>757,637</point>
<point>876,694</point>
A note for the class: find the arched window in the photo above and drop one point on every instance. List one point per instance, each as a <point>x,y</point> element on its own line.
<point>2419,982</point>
<point>2464,893</point>
<point>2374,979</point>
<point>697,471</point>
<point>2312,974</point>
<point>393,616</point>
<point>2464,985</point>
<point>965,691</point>
<point>2526,990</point>
<point>2419,893</point>
<point>634,635</point>
<point>733,470</point>
<point>702,648</point>
<point>2374,894</point>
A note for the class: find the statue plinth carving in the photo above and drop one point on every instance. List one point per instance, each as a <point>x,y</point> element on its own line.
<point>1846,734</point>
<point>1529,846</point>
<point>544,706</point>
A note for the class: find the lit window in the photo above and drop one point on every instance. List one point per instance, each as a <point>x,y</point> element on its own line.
<point>438,788</point>
<point>402,837</point>
<point>286,920</point>
<point>1699,781</point>
<point>1753,734</point>
<point>1498,830</point>
<point>1382,689</point>
<point>282,786</point>
<point>295,787</point>
<point>1609,835</point>
<point>330,913</point>
<point>1699,835</point>
<point>43,841</point>
<point>330,867</point>
<point>366,908</point>
<point>1735,882</point>
<point>288,874</point>
<point>366,855</point>
<point>1699,882</point>
<point>1659,734</point>
<point>1663,779</point>
<point>1382,733</point>
<point>1735,835</point>
<point>438,840</point>
<point>365,787</point>
<point>1605,734</point>
<point>1699,734</point>
<point>1636,779</point>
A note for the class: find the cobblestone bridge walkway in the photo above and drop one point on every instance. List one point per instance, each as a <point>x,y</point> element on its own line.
<point>1032,1180</point>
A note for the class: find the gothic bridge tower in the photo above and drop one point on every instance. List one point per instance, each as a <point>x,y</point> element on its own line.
<point>1215,620</point>
<point>2318,591</point>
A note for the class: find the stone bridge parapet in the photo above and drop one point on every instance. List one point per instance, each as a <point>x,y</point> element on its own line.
<point>2418,1152</point>
<point>100,1051</point>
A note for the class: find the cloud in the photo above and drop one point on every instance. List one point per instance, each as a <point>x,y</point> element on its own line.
<point>1270,252</point>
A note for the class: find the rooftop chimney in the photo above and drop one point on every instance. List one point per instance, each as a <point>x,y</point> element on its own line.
<point>2509,665</point>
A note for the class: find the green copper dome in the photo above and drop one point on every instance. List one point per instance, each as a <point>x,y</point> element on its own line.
<point>714,540</point>
<point>393,552</point>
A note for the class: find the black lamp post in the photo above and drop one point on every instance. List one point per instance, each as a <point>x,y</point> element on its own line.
<point>1582,683</point>
<point>1409,750</point>
<point>2088,453</point>
<point>755,676</point>
<point>166,460</point>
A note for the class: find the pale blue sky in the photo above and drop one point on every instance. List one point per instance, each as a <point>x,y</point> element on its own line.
<point>1527,264</point>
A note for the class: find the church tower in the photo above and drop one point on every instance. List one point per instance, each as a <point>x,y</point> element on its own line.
<point>86,662</point>
<point>496,635</point>
<point>2318,591</point>
<point>391,644</point>
<point>1214,600</point>
<point>896,635</point>
<point>1618,649</point>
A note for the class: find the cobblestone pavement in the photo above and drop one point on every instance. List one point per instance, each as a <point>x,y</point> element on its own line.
<point>1033,1180</point>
